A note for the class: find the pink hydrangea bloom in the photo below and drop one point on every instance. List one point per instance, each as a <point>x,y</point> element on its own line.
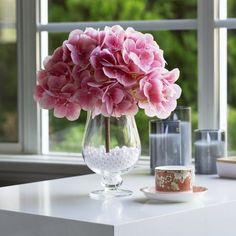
<point>80,44</point>
<point>142,51</point>
<point>117,102</point>
<point>158,93</point>
<point>110,72</point>
<point>114,38</point>
<point>56,88</point>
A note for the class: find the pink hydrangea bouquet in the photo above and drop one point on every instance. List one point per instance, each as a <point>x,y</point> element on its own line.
<point>112,72</point>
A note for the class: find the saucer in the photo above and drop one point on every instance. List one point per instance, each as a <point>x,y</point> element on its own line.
<point>151,193</point>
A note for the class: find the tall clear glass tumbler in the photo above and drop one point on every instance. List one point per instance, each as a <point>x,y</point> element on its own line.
<point>165,143</point>
<point>183,114</point>
<point>209,145</point>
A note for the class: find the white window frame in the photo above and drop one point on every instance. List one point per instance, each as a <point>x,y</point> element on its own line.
<point>32,27</point>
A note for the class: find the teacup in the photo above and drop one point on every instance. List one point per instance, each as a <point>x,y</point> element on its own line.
<point>174,178</point>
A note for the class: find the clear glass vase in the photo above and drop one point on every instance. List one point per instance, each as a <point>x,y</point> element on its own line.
<point>111,147</point>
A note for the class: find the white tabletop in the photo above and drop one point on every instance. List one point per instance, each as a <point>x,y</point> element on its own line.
<point>55,203</point>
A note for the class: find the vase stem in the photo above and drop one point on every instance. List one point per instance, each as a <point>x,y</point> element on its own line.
<point>107,134</point>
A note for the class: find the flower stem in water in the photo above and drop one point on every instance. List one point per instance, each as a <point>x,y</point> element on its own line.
<point>107,134</point>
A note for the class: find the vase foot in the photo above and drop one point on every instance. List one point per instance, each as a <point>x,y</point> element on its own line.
<point>107,194</point>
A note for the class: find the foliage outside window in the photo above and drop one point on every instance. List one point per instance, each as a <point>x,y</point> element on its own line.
<point>8,73</point>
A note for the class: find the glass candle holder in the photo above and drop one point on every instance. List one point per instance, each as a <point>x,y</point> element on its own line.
<point>165,143</point>
<point>183,114</point>
<point>209,145</point>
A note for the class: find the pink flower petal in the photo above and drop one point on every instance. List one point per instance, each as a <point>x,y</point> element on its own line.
<point>122,107</point>
<point>172,76</point>
<point>56,57</point>
<point>113,42</point>
<point>146,58</point>
<point>153,91</point>
<point>133,110</point>
<point>47,101</point>
<point>129,45</point>
<point>92,33</point>
<point>107,58</point>
<point>117,95</point>
<point>60,68</point>
<point>74,54</point>
<point>46,61</point>
<point>38,93</point>
<point>99,76</point>
<point>69,88</point>
<point>95,58</point>
<point>60,111</point>
<point>109,105</point>
<point>164,112</point>
<point>122,77</point>
<point>140,43</point>
<point>74,36</point>
<point>178,91</point>
<point>41,75</point>
<point>73,111</point>
<point>56,82</point>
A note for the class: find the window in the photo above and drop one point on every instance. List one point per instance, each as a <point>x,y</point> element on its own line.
<point>192,33</point>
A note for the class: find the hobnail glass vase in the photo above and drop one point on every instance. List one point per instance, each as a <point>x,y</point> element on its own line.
<point>111,147</point>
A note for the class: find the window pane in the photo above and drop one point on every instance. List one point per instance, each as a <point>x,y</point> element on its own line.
<point>231,8</point>
<point>231,91</point>
<point>8,77</point>
<point>112,10</point>
<point>66,136</point>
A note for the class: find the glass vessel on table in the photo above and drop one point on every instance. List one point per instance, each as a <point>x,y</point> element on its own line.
<point>111,147</point>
